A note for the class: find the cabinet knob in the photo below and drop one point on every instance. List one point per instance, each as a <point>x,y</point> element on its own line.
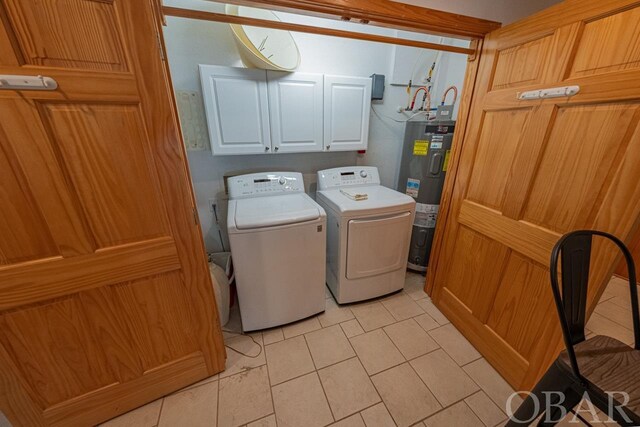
<point>328,147</point>
<point>266,148</point>
<point>276,149</point>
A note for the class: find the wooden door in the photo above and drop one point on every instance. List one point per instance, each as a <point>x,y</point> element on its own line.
<point>105,297</point>
<point>530,171</point>
<point>347,106</point>
<point>295,111</point>
<point>237,107</point>
<point>634,246</point>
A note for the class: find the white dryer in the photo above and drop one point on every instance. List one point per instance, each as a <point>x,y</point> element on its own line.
<point>367,239</point>
<point>278,245</point>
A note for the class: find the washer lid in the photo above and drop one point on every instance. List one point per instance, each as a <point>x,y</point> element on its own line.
<point>378,197</point>
<point>258,212</point>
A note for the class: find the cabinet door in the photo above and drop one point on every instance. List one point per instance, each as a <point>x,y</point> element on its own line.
<point>295,111</point>
<point>235,101</point>
<point>347,101</point>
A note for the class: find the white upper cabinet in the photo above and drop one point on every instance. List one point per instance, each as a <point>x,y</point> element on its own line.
<point>236,104</point>
<point>252,111</point>
<point>347,101</point>
<point>295,110</point>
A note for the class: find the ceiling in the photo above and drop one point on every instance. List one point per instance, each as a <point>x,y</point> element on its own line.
<point>504,11</point>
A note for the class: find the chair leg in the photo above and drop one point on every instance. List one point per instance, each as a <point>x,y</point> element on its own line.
<point>554,380</point>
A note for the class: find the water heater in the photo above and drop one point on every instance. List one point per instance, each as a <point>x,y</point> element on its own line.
<point>425,160</point>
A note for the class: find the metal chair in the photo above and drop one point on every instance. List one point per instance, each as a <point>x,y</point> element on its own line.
<point>597,366</point>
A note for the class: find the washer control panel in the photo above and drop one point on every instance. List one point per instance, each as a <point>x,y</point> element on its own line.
<point>348,176</point>
<point>265,184</point>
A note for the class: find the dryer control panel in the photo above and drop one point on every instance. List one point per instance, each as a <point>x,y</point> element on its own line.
<point>348,176</point>
<point>265,184</point>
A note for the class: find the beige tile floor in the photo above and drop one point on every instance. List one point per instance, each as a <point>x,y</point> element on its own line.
<point>396,361</point>
<point>612,315</point>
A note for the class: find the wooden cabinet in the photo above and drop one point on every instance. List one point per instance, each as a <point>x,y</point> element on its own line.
<point>252,111</point>
<point>347,101</point>
<point>295,111</point>
<point>237,109</point>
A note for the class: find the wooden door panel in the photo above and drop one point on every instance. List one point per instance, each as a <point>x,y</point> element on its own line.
<point>594,89</point>
<point>511,365</point>
<point>533,170</point>
<point>623,191</point>
<point>106,301</point>
<point>535,137</point>
<point>497,127</point>
<point>465,268</point>
<point>113,332</point>
<point>581,157</point>
<point>534,242</point>
<point>24,233</point>
<point>105,150</point>
<point>610,43</point>
<point>520,297</point>
<point>72,364</point>
<point>521,64</point>
<point>8,56</point>
<point>96,42</point>
<point>57,276</point>
<point>44,177</point>
<point>162,330</point>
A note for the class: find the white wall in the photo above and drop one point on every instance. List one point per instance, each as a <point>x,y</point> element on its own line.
<point>192,42</point>
<point>504,11</point>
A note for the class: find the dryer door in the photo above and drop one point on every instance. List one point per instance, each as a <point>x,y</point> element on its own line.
<point>377,245</point>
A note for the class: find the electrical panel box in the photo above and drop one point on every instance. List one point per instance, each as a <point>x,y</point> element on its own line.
<point>377,86</point>
<point>444,112</point>
<point>424,164</point>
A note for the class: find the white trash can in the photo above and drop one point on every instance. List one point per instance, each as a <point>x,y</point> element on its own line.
<point>220,269</point>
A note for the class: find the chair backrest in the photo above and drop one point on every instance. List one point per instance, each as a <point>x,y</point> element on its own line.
<point>574,251</point>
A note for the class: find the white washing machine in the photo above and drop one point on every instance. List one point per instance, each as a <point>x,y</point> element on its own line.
<point>367,240</point>
<point>278,246</point>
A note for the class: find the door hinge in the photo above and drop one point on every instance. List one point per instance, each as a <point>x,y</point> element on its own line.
<point>475,45</point>
<point>160,47</point>
<point>195,216</point>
